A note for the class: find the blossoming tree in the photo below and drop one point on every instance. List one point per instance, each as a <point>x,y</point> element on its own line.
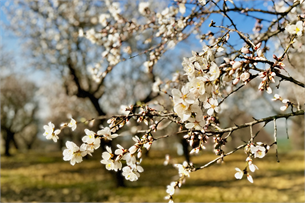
<point>232,59</point>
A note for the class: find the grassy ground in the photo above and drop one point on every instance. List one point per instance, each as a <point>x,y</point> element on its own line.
<point>40,177</point>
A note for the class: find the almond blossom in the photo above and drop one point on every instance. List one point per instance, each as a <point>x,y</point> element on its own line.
<point>197,86</point>
<point>252,166</point>
<point>72,124</point>
<point>214,72</point>
<point>211,105</point>
<point>185,96</point>
<point>109,161</point>
<point>249,177</point>
<point>90,136</point>
<point>258,151</point>
<point>183,111</point>
<point>171,188</point>
<point>143,6</point>
<point>90,147</point>
<point>239,174</point>
<point>132,172</point>
<point>73,153</point>
<point>106,132</point>
<point>295,29</point>
<point>50,133</point>
<point>182,169</point>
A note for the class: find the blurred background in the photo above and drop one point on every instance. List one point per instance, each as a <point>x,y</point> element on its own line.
<point>45,76</point>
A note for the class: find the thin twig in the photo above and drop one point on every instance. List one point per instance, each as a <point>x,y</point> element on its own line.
<point>286,124</point>
<point>220,157</point>
<point>275,139</point>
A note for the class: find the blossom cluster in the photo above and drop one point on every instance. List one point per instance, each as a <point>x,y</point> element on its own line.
<point>257,150</point>
<point>92,141</point>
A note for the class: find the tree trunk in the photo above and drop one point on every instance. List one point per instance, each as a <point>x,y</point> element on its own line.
<point>185,147</point>
<point>116,175</point>
<point>10,137</point>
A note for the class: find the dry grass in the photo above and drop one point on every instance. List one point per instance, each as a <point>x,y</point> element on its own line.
<point>40,177</point>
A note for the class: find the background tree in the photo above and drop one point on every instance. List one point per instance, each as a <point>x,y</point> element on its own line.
<point>56,46</point>
<point>18,111</point>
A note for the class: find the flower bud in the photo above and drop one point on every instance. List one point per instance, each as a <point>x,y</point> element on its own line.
<point>133,149</point>
<point>237,65</point>
<point>283,108</point>
<point>227,60</point>
<point>235,81</point>
<point>260,53</point>
<point>245,76</point>
<point>258,45</point>
<point>139,154</point>
<point>232,71</point>
<point>245,50</point>
<point>227,37</point>
<point>269,90</point>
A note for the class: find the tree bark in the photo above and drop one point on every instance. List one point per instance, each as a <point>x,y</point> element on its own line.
<point>185,147</point>
<point>116,175</point>
<point>10,137</point>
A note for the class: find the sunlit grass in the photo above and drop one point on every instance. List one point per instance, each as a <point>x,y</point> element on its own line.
<point>46,178</point>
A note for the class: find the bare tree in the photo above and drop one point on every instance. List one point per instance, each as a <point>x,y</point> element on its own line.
<point>18,109</point>
<point>56,46</point>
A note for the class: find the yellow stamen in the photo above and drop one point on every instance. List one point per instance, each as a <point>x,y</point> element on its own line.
<point>297,29</point>
<point>183,106</point>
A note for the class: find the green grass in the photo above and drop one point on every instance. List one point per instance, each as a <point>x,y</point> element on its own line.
<point>37,177</point>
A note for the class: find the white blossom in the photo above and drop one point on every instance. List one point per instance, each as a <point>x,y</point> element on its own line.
<point>90,147</point>
<point>182,170</point>
<point>132,172</point>
<point>295,29</point>
<point>129,158</point>
<point>90,136</point>
<point>50,133</point>
<point>171,188</point>
<point>72,124</point>
<point>106,132</point>
<point>129,174</point>
<point>143,6</point>
<point>73,153</point>
<point>252,166</point>
<point>249,177</point>
<point>188,67</point>
<point>203,2</point>
<point>185,96</point>
<point>156,84</point>
<point>197,86</point>
<point>123,110</point>
<point>196,122</point>
<point>214,72</point>
<point>108,160</point>
<point>103,19</point>
<point>211,105</point>
<point>239,174</point>
<point>182,8</point>
<point>183,111</point>
<point>258,151</point>
<point>245,76</point>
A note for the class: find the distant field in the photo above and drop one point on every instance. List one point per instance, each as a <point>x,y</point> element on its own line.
<point>36,177</point>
